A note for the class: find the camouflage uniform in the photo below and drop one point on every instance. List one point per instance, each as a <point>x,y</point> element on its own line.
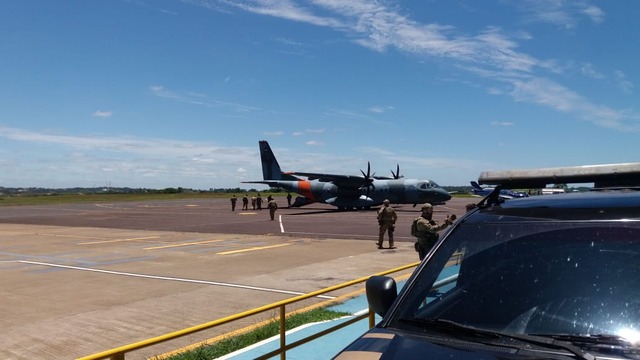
<point>427,230</point>
<point>386,219</point>
<point>272,208</point>
<point>233,203</point>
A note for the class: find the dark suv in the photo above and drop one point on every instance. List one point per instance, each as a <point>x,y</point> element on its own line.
<point>540,277</point>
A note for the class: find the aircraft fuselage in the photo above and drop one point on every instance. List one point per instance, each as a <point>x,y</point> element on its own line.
<point>399,191</point>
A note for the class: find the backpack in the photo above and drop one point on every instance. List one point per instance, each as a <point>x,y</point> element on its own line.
<point>414,227</point>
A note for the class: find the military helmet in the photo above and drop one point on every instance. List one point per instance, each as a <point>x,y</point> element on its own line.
<point>386,201</point>
<point>427,207</point>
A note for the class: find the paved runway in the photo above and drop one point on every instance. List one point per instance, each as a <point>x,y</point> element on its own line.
<point>82,278</point>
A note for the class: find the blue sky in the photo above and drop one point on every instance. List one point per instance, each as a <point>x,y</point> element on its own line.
<point>170,93</point>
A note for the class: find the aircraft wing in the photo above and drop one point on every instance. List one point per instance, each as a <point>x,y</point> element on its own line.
<point>347,181</point>
<point>271,183</point>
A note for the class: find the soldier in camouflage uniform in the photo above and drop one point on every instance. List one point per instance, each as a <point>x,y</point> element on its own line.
<point>427,229</point>
<point>386,219</point>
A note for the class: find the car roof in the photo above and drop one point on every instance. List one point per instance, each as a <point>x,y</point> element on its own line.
<point>616,194</point>
<point>624,175</point>
<point>593,205</point>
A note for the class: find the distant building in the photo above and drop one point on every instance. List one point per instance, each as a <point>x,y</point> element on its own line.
<point>551,191</point>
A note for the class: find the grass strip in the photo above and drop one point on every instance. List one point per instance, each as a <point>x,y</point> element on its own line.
<point>272,328</point>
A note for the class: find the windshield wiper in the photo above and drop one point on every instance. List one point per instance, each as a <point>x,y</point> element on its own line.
<point>602,339</point>
<point>459,329</point>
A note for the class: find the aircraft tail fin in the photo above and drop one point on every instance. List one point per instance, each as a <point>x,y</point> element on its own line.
<point>270,167</point>
<point>475,185</point>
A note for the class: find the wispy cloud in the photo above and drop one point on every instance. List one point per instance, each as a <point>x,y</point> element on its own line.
<point>273,133</point>
<point>589,70</point>
<point>501,123</point>
<point>136,160</point>
<point>102,114</point>
<point>379,109</point>
<point>200,99</point>
<point>491,54</point>
<point>559,12</point>
<point>625,85</point>
<point>553,95</point>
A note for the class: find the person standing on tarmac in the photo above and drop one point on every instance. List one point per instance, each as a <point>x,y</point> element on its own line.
<point>234,199</point>
<point>273,206</point>
<point>245,202</point>
<point>259,201</point>
<point>426,229</point>
<point>289,199</point>
<point>386,220</point>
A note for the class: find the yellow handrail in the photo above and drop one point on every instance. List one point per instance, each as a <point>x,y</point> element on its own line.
<point>119,352</point>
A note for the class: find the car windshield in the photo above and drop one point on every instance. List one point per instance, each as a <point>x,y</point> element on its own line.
<point>534,277</point>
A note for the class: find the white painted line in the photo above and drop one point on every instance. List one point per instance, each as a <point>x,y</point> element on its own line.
<point>170,278</point>
<point>281,225</point>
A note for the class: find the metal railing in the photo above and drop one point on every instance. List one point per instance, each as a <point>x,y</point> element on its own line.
<point>120,352</point>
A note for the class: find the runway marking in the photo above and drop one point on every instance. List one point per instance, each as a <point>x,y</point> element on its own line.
<point>117,240</point>
<point>69,236</point>
<point>156,277</point>
<point>182,244</point>
<point>281,224</point>
<point>252,249</point>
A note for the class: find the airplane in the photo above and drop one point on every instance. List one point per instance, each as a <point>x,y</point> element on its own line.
<point>348,191</point>
<point>504,193</point>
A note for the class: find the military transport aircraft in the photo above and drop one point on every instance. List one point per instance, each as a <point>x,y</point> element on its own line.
<point>348,191</point>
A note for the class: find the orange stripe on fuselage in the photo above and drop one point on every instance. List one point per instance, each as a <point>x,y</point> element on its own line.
<point>304,187</point>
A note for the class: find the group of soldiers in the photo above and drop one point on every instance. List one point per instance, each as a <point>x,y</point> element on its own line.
<point>424,228</point>
<point>256,203</point>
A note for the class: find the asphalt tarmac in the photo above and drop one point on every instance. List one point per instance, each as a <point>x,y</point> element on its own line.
<point>78,279</point>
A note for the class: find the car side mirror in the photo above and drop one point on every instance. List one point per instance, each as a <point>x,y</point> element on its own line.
<point>381,293</point>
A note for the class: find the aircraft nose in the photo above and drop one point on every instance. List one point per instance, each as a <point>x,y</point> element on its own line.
<point>445,196</point>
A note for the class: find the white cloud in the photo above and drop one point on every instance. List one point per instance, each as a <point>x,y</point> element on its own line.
<point>549,93</point>
<point>102,114</point>
<point>501,123</point>
<point>595,13</point>
<point>380,109</point>
<point>200,100</point>
<point>559,12</point>
<point>588,70</point>
<point>625,85</point>
<point>273,133</point>
<point>130,161</point>
<point>491,54</point>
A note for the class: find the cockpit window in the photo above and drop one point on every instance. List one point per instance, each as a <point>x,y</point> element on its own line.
<point>426,185</point>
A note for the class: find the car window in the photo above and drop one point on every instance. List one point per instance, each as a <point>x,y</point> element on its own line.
<point>532,278</point>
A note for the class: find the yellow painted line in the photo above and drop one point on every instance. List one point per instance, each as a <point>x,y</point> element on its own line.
<point>118,240</point>
<point>251,249</point>
<point>70,236</point>
<point>182,244</point>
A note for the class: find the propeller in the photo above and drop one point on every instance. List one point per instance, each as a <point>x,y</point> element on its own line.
<point>368,178</point>
<point>396,175</point>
